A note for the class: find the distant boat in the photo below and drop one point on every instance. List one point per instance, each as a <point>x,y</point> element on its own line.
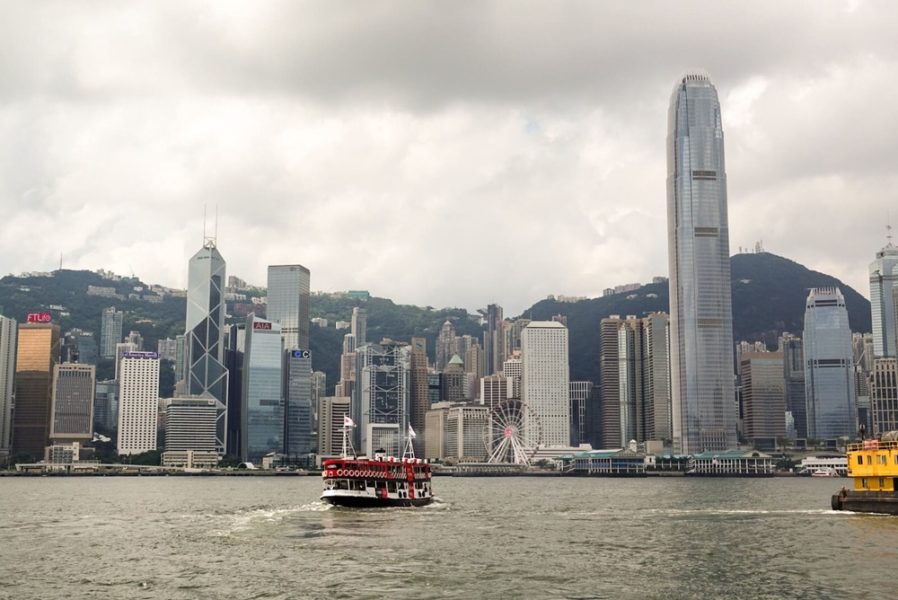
<point>824,472</point>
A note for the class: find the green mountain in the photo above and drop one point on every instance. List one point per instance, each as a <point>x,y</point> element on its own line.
<point>769,294</point>
<point>768,297</point>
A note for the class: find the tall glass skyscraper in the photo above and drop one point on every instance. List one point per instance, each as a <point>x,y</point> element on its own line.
<point>701,319</point>
<point>298,401</point>
<point>262,414</point>
<point>883,279</point>
<point>829,366</point>
<point>288,303</point>
<point>206,373</point>
<point>7,380</point>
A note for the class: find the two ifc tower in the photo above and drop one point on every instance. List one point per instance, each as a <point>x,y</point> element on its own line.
<point>701,316</point>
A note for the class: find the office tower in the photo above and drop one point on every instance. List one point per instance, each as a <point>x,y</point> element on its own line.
<point>262,411</point>
<point>106,406</point>
<point>192,423</point>
<point>72,412</point>
<point>134,338</point>
<point>331,411</point>
<point>167,349</point>
<point>434,387</point>
<point>465,427</point>
<point>383,392</point>
<point>622,381</point>
<point>581,392</point>
<point>792,349</point>
<point>7,380</point>
<point>493,390</point>
<point>110,331</point>
<point>656,375</point>
<point>514,335</point>
<point>454,380</point>
<point>763,398</point>
<point>206,373</point>
<point>513,369</point>
<point>181,358</point>
<point>883,282</point>
<point>80,347</point>
<point>359,326</point>
<point>829,372</point>
<point>298,405</point>
<point>36,351</point>
<point>288,303</point>
<point>491,350</point>
<point>121,349</point>
<point>883,384</point>
<point>138,412</point>
<point>446,346</point>
<point>545,384</point>
<point>474,360</point>
<point>436,431</point>
<point>701,332</point>
<point>419,399</point>
<point>235,344</point>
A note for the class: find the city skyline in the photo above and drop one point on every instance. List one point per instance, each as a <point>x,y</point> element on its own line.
<point>314,145</point>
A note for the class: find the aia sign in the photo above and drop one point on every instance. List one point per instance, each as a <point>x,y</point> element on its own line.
<point>261,325</point>
<point>43,317</point>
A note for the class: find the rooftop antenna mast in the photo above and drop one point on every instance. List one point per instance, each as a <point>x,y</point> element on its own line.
<point>209,241</point>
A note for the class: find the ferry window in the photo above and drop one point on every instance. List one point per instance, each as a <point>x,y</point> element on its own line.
<point>341,484</point>
<point>882,483</point>
<point>864,482</point>
<point>860,459</point>
<point>391,486</point>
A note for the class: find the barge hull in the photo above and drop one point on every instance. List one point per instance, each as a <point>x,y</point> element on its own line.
<point>885,503</point>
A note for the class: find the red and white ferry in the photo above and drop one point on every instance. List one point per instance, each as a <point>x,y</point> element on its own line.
<point>379,481</point>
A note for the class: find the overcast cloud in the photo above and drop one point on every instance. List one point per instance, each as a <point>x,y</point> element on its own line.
<point>437,153</point>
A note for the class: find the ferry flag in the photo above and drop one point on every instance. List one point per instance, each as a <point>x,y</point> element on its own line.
<point>347,422</point>
<point>411,432</point>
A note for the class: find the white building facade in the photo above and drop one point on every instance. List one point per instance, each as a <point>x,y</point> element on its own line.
<point>138,402</point>
<point>545,382</point>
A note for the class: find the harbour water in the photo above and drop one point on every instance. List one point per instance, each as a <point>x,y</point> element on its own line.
<point>270,537</point>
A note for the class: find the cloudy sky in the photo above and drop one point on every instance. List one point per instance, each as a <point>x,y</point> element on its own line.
<point>437,153</point>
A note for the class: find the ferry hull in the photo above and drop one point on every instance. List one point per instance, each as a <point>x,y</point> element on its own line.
<point>363,502</point>
<point>869,502</point>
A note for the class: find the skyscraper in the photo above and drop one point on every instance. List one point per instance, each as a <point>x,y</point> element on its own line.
<point>206,373</point>
<point>545,385</point>
<point>298,404</point>
<point>829,368</point>
<point>383,392</point>
<point>763,396</point>
<point>288,303</point>
<point>359,326</point>
<point>262,414</point>
<point>446,345</point>
<point>419,400</point>
<point>7,380</point>
<point>884,395</point>
<point>883,281</point>
<point>702,394</point>
<point>72,413</point>
<point>581,392</point>
<point>138,402</point>
<point>331,412</point>
<point>37,349</point>
<point>793,376</point>
<point>491,341</point>
<point>110,331</point>
<point>656,374</point>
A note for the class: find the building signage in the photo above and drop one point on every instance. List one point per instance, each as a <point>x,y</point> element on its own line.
<point>152,355</point>
<point>261,325</point>
<point>301,354</point>
<point>43,317</point>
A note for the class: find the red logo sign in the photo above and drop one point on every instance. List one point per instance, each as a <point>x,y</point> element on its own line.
<point>44,317</point>
<point>261,325</point>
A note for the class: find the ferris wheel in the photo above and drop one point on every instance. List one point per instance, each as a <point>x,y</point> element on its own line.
<point>512,434</point>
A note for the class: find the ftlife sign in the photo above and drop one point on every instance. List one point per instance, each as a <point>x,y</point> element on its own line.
<point>42,317</point>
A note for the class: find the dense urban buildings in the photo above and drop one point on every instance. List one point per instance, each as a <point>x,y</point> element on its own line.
<point>419,398</point>
<point>701,331</point>
<point>288,303</point>
<point>829,367</point>
<point>262,412</point>
<point>883,282</point>
<point>72,412</point>
<point>545,382</point>
<point>359,325</point>
<point>138,405</point>
<point>36,356</point>
<point>8,331</point>
<point>206,373</point>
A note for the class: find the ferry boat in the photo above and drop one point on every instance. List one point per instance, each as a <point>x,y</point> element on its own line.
<point>873,467</point>
<point>359,481</point>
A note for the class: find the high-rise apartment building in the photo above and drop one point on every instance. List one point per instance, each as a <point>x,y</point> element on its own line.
<point>298,401</point>
<point>545,385</point>
<point>288,303</point>
<point>72,412</point>
<point>763,398</point>
<point>829,369</point>
<point>331,412</point>
<point>7,380</point>
<point>110,331</point>
<point>262,412</point>
<point>701,331</point>
<point>138,412</point>
<point>883,282</point>
<point>37,350</point>
<point>359,325</point>
<point>656,376</point>
<point>167,349</point>
<point>206,372</point>
<point>884,395</point>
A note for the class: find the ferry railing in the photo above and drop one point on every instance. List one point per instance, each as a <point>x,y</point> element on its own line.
<point>873,445</point>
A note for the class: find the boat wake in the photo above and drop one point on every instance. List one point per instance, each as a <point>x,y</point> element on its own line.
<point>249,519</point>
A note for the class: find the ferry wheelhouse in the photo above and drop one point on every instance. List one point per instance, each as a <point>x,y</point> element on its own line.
<point>384,480</point>
<point>873,469</point>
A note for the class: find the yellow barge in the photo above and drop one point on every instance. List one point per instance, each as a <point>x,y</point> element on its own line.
<point>873,469</point>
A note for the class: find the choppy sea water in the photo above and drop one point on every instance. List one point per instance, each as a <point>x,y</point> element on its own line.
<point>270,537</point>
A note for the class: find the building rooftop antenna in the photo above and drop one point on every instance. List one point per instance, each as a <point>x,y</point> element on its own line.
<point>209,241</point>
